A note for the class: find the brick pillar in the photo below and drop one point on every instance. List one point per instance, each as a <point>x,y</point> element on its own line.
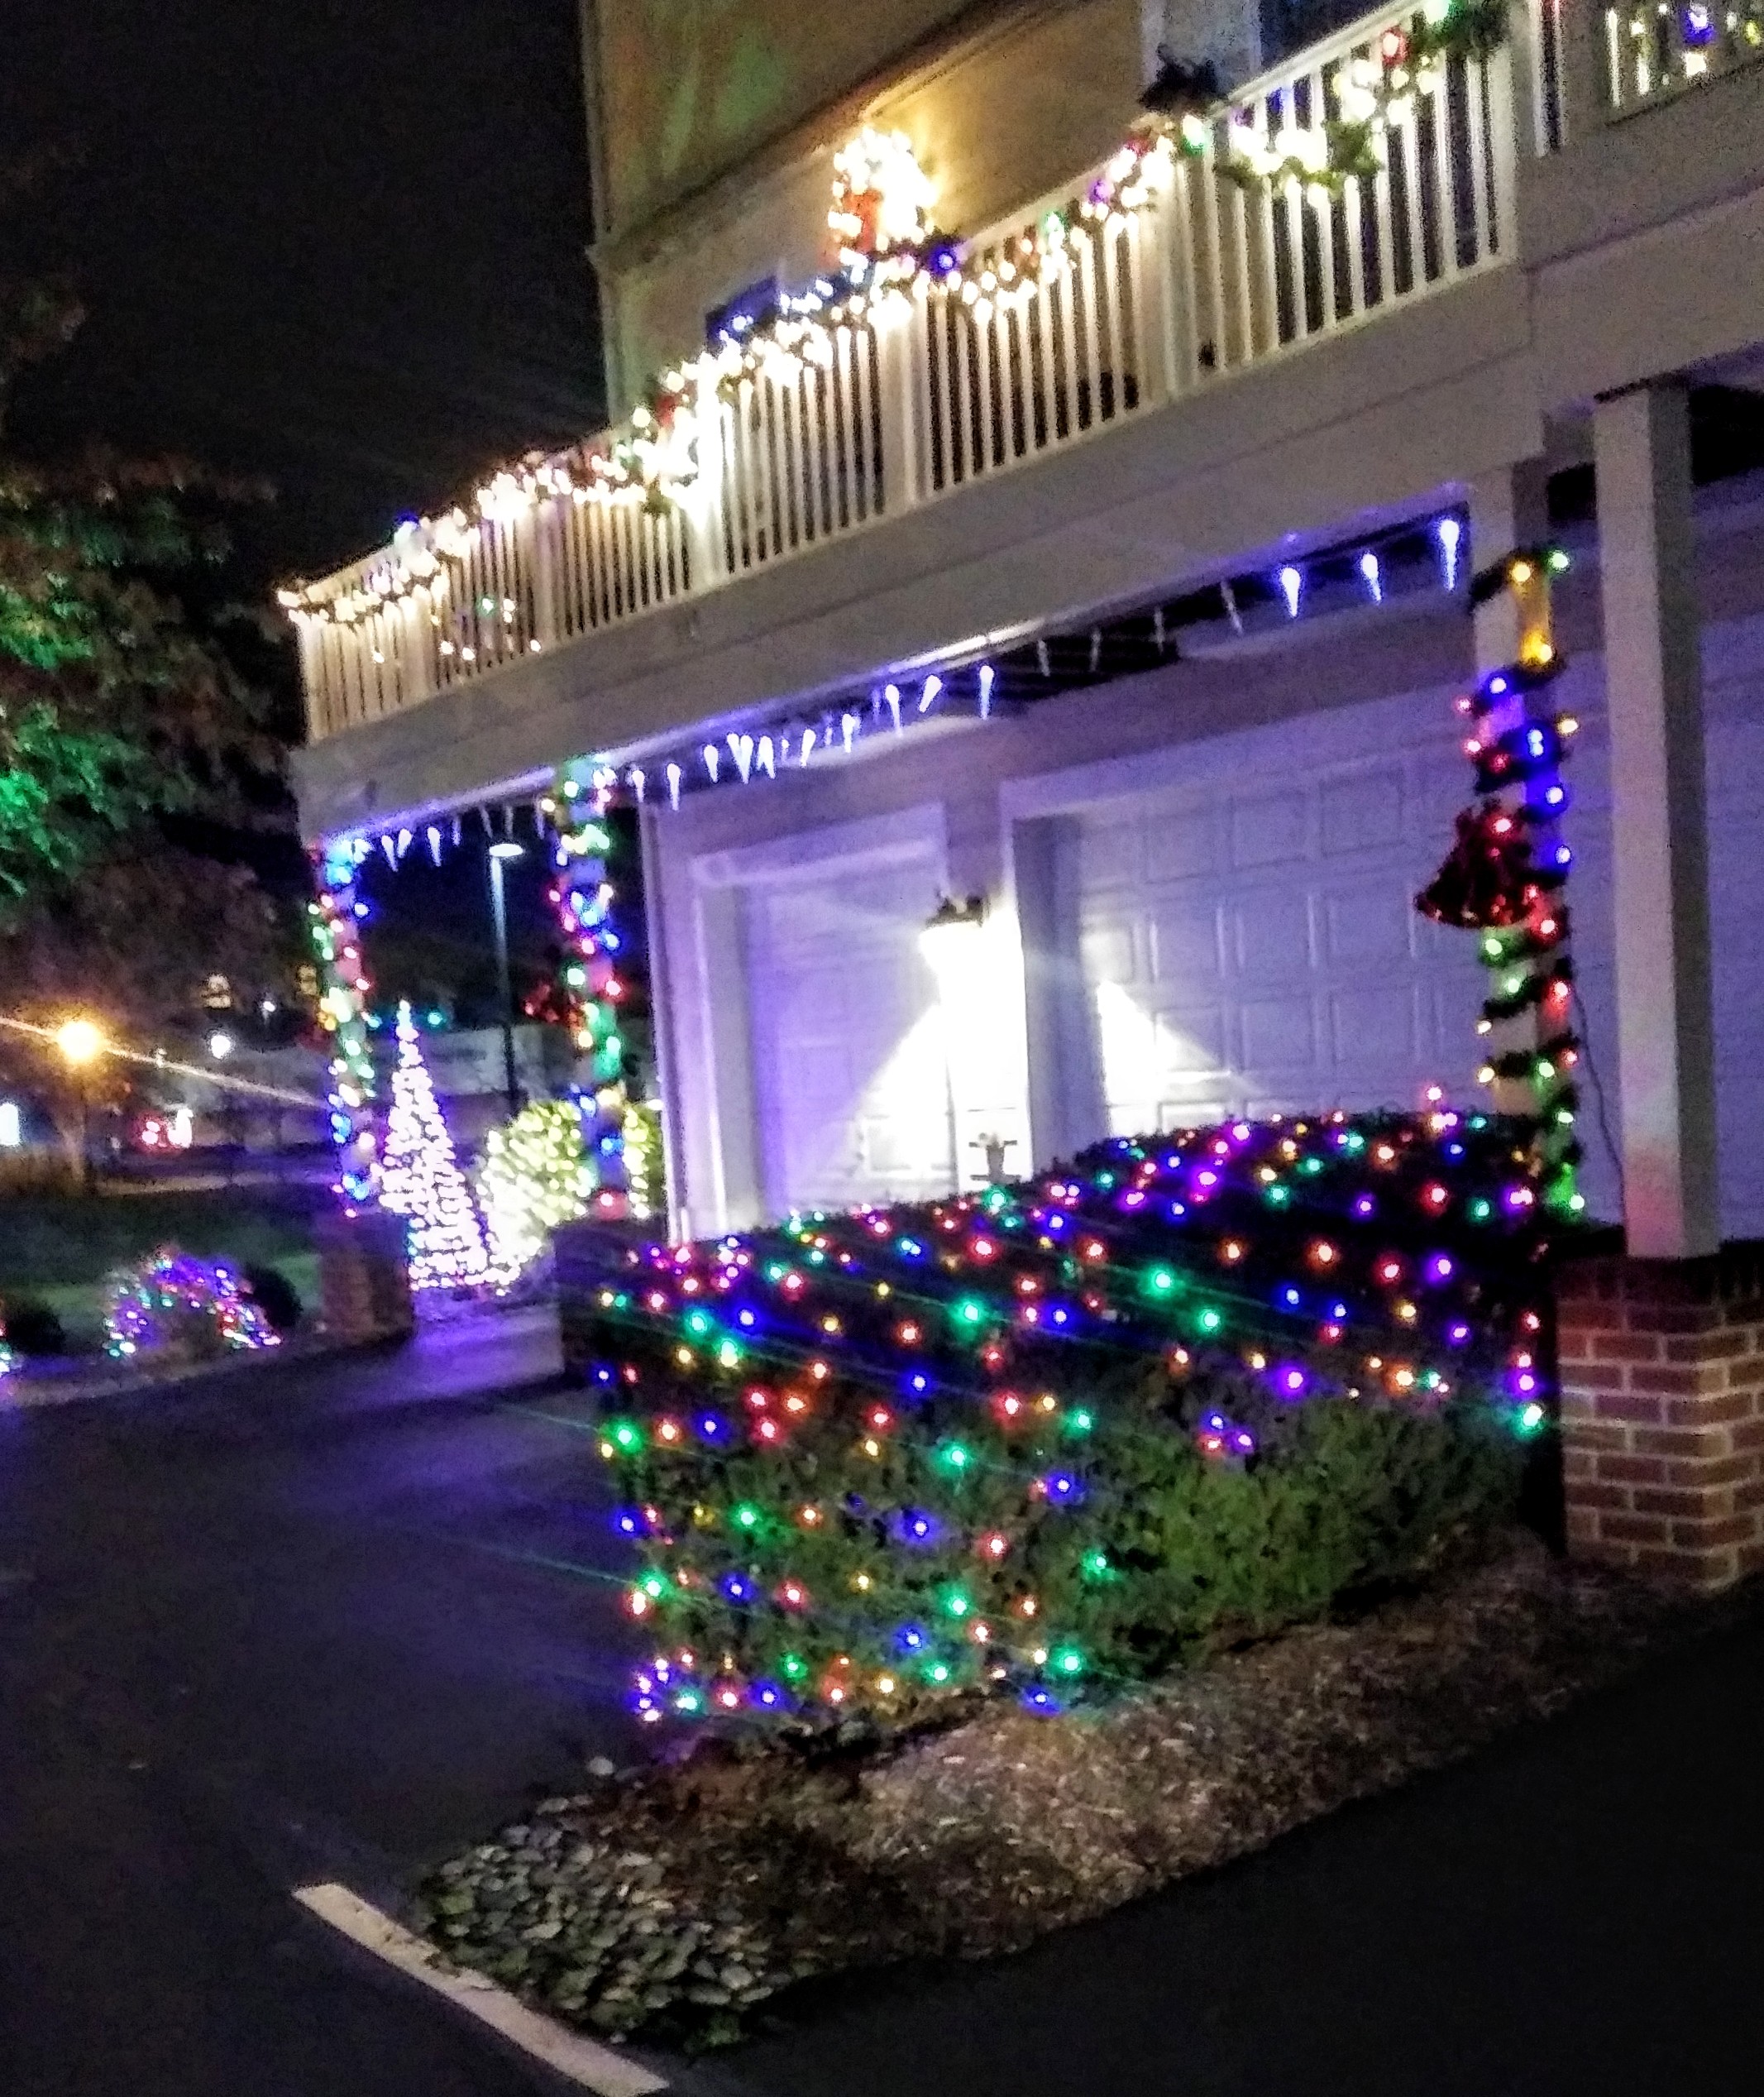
<point>363,1273</point>
<point>1662,1375</point>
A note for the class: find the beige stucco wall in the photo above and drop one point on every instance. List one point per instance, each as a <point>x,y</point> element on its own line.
<point>1020,100</point>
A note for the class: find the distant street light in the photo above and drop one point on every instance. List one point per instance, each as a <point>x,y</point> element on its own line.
<point>81,1042</point>
<point>501,853</point>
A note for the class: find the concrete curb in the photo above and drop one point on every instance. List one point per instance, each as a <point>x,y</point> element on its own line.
<point>25,1392</point>
<point>580,2060</point>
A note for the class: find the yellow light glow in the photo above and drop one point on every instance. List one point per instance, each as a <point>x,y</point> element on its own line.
<point>80,1041</point>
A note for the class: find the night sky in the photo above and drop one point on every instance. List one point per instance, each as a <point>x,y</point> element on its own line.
<point>339,245</point>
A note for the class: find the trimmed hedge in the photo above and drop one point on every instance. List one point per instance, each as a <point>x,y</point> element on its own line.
<point>1049,1439</point>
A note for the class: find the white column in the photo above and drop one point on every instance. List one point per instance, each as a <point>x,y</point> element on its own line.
<point>1659,821</point>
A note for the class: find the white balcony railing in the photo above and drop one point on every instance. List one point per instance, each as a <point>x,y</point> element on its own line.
<point>1148,308</point>
<point>1658,49</point>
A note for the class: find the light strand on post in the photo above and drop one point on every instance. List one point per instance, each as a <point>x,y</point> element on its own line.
<point>336,919</point>
<point>591,989</point>
<point>1504,876</point>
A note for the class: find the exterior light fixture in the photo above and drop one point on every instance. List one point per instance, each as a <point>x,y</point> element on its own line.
<point>950,930</point>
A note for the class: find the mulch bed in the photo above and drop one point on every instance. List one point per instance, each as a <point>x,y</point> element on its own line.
<point>673,1900</point>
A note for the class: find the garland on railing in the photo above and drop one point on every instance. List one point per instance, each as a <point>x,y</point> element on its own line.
<point>890,252</point>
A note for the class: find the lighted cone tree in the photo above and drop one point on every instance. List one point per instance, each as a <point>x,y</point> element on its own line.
<point>421,1178</point>
<point>535,1176</point>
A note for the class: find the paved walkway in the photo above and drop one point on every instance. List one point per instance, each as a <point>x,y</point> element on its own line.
<point>334,1619</point>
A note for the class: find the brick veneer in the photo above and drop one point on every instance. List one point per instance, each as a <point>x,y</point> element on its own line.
<point>1662,1377</point>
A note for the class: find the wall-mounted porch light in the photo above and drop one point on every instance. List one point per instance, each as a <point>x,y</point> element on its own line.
<point>949,933</point>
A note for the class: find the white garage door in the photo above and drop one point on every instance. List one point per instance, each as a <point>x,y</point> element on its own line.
<point>1249,933</point>
<point>849,1073</point>
<point>1250,943</point>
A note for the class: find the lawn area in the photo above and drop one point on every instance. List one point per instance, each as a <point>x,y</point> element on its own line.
<point>56,1250</point>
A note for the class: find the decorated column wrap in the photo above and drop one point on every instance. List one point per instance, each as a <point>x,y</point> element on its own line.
<point>591,989</point>
<point>1505,876</point>
<point>342,1012</point>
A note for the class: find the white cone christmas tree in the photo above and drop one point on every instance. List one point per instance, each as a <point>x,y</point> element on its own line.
<point>421,1178</point>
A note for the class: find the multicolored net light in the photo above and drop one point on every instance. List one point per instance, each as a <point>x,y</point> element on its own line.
<point>874,1458</point>
<point>176,1300</point>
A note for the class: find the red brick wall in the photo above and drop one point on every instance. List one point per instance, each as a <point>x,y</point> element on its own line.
<point>1662,1374</point>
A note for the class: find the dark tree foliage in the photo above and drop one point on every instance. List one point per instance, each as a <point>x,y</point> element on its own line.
<point>134,760</point>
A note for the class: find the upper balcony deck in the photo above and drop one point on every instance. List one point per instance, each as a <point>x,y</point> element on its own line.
<point>1172,360</point>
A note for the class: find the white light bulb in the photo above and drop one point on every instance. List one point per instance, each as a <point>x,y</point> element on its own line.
<point>1292,588</point>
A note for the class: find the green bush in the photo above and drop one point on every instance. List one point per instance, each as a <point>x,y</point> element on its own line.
<point>1048,1441</point>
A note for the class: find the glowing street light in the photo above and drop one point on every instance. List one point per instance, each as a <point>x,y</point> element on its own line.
<point>81,1041</point>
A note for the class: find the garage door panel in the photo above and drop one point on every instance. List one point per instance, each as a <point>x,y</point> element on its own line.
<point>1363,809</point>
<point>1186,940</point>
<point>1370,924</point>
<point>1113,855</point>
<point>1110,950</point>
<point>1271,828</point>
<point>1279,1035</point>
<point>1185,847</point>
<point>1191,1040</point>
<point>1378,1026</point>
<point>1271,932</point>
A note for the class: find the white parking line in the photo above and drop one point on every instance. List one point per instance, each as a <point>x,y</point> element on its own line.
<point>567,2053</point>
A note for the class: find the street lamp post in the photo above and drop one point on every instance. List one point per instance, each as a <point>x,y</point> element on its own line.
<point>81,1042</point>
<point>501,853</point>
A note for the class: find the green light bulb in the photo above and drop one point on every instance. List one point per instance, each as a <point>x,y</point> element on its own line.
<point>745,1516</point>
<point>1162,1281</point>
<point>1066,1660</point>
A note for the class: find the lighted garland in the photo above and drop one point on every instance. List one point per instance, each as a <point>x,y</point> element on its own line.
<point>878,1457</point>
<point>1506,870</point>
<point>590,988</point>
<point>1373,90</point>
<point>175,1301</point>
<point>345,990</point>
<point>890,252</point>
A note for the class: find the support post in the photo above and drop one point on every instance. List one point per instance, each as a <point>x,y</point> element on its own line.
<point>1659,822</point>
<point>1661,1351</point>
